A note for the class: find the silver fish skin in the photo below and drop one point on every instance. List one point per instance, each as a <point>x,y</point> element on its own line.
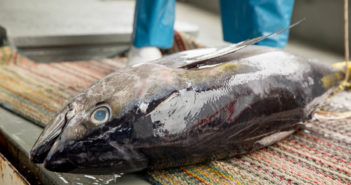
<point>158,116</point>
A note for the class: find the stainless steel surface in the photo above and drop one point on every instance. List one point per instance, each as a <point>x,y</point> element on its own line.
<point>17,137</point>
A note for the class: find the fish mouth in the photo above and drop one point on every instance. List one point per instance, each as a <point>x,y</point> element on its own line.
<point>120,166</point>
<point>48,137</point>
<point>59,165</point>
<point>55,161</point>
<point>94,157</point>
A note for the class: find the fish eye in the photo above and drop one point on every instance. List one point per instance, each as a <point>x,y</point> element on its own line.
<point>100,115</point>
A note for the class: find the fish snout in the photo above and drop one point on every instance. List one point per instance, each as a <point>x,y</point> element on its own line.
<point>48,137</point>
<point>38,154</point>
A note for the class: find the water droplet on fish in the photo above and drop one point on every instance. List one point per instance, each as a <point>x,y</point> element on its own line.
<point>63,179</point>
<point>308,125</point>
<point>80,179</point>
<point>89,176</point>
<point>307,131</point>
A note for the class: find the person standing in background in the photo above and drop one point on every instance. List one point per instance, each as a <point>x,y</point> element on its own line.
<point>241,20</point>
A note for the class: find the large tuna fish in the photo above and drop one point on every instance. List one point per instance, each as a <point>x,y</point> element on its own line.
<point>186,108</point>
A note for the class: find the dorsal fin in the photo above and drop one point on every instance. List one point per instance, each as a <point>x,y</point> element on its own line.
<point>193,58</point>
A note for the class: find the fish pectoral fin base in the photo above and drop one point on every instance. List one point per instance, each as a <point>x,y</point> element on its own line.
<point>212,57</point>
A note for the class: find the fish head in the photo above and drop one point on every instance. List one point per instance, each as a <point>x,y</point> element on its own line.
<point>88,135</point>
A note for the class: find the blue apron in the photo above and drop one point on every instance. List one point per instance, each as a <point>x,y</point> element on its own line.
<point>153,23</point>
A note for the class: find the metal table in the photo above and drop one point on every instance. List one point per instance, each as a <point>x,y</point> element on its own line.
<point>17,137</point>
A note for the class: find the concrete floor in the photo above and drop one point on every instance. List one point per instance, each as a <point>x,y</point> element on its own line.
<point>49,30</point>
<point>210,34</point>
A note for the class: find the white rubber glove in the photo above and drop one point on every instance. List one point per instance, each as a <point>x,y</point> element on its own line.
<point>143,55</point>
